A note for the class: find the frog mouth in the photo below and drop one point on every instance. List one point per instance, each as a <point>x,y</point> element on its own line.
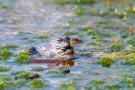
<point>68,47</point>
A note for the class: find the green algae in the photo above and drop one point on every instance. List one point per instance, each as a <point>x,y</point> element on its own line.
<point>2,85</point>
<point>4,54</point>
<point>20,74</point>
<point>22,57</point>
<point>78,10</point>
<point>105,61</point>
<point>131,41</point>
<point>4,68</point>
<point>8,46</point>
<point>4,5</point>
<point>69,85</point>
<point>129,59</point>
<point>62,2</point>
<point>41,36</point>
<point>36,83</point>
<point>38,68</point>
<point>116,47</point>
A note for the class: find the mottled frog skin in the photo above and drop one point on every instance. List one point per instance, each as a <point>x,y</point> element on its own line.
<point>55,48</point>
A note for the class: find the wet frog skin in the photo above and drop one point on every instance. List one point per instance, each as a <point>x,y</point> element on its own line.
<point>56,48</point>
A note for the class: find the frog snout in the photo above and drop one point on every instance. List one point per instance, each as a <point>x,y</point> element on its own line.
<point>66,44</point>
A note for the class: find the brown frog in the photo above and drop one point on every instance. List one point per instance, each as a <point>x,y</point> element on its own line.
<point>56,48</point>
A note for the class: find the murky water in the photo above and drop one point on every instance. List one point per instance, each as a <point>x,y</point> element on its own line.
<point>21,21</point>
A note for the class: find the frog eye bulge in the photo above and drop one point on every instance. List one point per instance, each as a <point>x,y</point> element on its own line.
<point>59,40</point>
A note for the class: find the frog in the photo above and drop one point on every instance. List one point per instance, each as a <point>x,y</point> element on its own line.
<point>55,48</point>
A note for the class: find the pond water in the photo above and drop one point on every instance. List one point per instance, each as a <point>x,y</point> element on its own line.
<point>106,31</point>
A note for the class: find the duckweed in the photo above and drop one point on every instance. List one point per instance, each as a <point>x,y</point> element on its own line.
<point>71,21</point>
<point>4,5</point>
<point>78,10</point>
<point>84,28</point>
<point>106,61</point>
<point>20,82</point>
<point>74,1</point>
<point>91,32</point>
<point>22,57</point>
<point>112,86</point>
<point>37,83</point>
<point>131,41</point>
<point>4,77</point>
<point>1,20</point>
<point>81,35</point>
<point>8,46</point>
<point>92,43</point>
<point>116,47</point>
<point>129,59</point>
<point>67,86</point>
<point>41,36</point>
<point>20,74</point>
<point>68,33</point>
<point>96,81</point>
<point>53,71</point>
<point>3,68</point>
<point>2,85</point>
<point>38,68</point>
<point>4,54</point>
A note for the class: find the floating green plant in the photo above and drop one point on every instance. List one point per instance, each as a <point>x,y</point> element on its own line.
<point>71,21</point>
<point>95,84</point>
<point>94,37</point>
<point>41,36</point>
<point>92,43</point>
<point>106,61</point>
<point>62,2</point>
<point>4,54</point>
<point>8,46</point>
<point>116,47</point>
<point>3,68</point>
<point>1,20</point>
<point>112,86</point>
<point>4,77</point>
<point>53,71</point>
<point>20,74</point>
<point>68,33</point>
<point>84,28</point>
<point>4,5</point>
<point>96,81</point>
<point>78,10</point>
<point>91,31</point>
<point>67,86</point>
<point>38,68</point>
<point>20,82</point>
<point>129,59</point>
<point>81,35</point>
<point>131,41</point>
<point>2,85</point>
<point>37,83</point>
<point>22,57</point>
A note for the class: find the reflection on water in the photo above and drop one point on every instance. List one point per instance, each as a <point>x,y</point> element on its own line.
<point>52,62</point>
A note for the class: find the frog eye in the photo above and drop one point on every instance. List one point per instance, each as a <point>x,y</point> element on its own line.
<point>59,40</point>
